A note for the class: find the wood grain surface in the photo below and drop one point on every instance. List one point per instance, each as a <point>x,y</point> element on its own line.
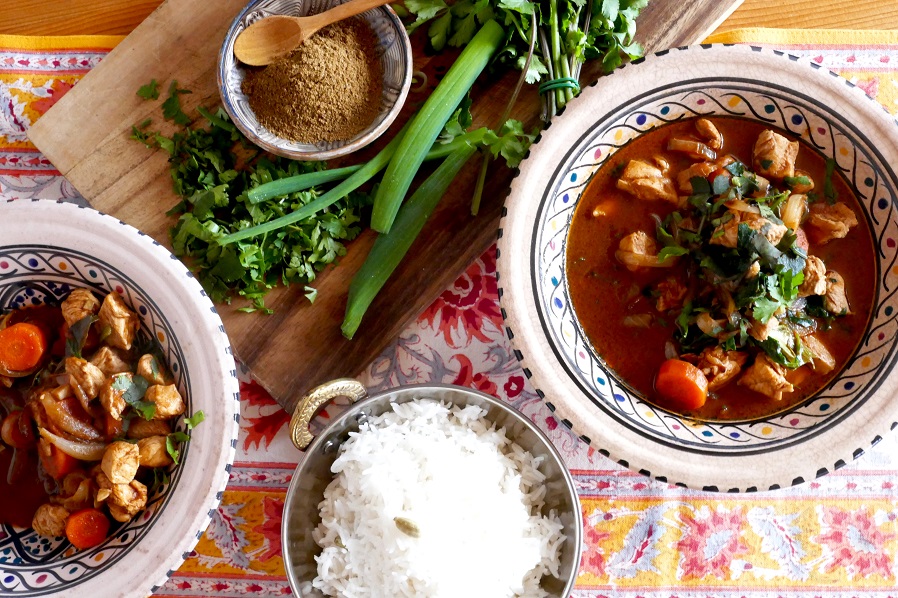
<point>86,136</point>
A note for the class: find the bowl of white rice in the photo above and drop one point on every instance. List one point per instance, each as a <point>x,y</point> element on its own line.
<point>428,491</point>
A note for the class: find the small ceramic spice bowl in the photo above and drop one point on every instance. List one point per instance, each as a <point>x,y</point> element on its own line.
<point>393,52</point>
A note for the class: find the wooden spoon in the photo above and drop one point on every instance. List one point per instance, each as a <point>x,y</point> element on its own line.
<point>266,40</point>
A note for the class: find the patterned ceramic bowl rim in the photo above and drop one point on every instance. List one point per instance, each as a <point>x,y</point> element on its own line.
<point>817,436</point>
<point>49,248</point>
<point>394,50</point>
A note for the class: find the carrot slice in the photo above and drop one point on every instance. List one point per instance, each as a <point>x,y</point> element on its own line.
<point>86,528</point>
<point>56,463</point>
<point>22,346</point>
<point>681,385</point>
<point>111,427</point>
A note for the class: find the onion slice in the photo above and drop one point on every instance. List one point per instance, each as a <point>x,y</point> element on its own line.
<point>66,421</point>
<point>84,451</point>
<point>670,352</point>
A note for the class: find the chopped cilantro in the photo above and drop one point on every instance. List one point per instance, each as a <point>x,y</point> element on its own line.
<point>150,91</point>
<point>133,388</point>
<point>195,420</point>
<point>829,189</point>
<point>795,181</point>
<point>671,251</point>
<point>171,445</point>
<point>171,107</point>
<point>77,334</point>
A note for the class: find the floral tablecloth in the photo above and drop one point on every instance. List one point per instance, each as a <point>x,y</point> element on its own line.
<point>836,536</point>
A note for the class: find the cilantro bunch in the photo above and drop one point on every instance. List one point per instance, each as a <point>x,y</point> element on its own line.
<point>548,39</point>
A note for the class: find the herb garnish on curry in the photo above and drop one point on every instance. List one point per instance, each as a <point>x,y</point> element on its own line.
<point>721,268</point>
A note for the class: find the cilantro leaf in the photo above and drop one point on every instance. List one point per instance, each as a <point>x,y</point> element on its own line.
<point>133,388</point>
<point>829,189</point>
<point>720,185</point>
<point>511,143</point>
<point>171,445</point>
<point>194,420</point>
<point>171,107</point>
<point>795,181</point>
<point>77,334</point>
<point>671,251</point>
<point>150,91</point>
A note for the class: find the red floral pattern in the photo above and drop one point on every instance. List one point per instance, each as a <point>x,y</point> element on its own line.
<point>261,429</point>
<point>270,528</point>
<point>855,543</point>
<point>463,310</point>
<point>710,542</point>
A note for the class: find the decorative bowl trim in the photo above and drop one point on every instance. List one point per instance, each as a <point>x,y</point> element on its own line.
<point>545,312</point>
<point>42,271</point>
<point>394,49</point>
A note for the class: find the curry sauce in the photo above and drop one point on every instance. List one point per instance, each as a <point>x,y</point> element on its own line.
<point>618,306</point>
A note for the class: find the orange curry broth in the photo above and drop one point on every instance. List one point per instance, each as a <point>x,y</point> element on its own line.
<point>599,284</point>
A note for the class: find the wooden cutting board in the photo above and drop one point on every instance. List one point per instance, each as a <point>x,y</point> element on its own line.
<point>86,136</point>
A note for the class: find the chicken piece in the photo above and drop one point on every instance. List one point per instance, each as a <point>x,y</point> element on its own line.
<point>773,156</point>
<point>720,366</point>
<point>141,428</point>
<point>112,394</point>
<point>827,222</point>
<point>154,372</point>
<point>699,169</point>
<point>120,462</point>
<point>647,182</point>
<point>671,293</point>
<point>86,375</point>
<point>638,250</point>
<point>78,305</point>
<point>707,130</point>
<point>110,361</point>
<point>153,452</point>
<point>49,520</point>
<point>76,492</point>
<point>823,361</point>
<point>759,331</point>
<point>121,322</point>
<point>801,187</point>
<point>727,234</point>
<point>835,301</point>
<point>127,500</point>
<point>753,270</point>
<point>766,377</point>
<point>814,277</point>
<point>123,500</point>
<point>167,399</point>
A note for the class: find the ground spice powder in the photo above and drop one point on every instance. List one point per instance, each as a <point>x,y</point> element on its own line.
<point>328,89</point>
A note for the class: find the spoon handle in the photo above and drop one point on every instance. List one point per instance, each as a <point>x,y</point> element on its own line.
<point>344,11</point>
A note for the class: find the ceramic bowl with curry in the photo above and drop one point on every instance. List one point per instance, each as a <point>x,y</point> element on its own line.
<point>698,264</point>
<point>119,402</point>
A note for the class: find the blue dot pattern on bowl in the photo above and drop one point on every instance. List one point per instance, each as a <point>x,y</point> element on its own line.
<point>820,127</point>
<point>34,565</point>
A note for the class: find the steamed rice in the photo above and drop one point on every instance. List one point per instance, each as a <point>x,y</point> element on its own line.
<point>433,501</point>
